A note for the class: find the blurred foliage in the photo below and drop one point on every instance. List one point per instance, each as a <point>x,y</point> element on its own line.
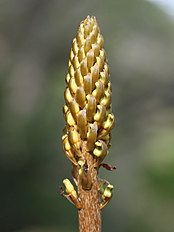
<point>35,39</point>
<point>160,163</point>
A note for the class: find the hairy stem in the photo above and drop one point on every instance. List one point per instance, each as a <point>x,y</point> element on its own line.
<point>89,215</point>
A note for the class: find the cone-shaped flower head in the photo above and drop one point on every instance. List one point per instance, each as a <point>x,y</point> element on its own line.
<point>88,95</point>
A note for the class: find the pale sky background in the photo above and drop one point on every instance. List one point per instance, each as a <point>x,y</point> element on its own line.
<point>166,5</point>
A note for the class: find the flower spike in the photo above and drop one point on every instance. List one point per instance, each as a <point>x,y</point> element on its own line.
<point>89,120</point>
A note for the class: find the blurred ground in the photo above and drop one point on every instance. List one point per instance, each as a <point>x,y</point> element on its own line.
<point>35,40</point>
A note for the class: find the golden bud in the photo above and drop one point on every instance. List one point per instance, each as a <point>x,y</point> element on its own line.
<point>66,144</point>
<point>74,108</point>
<point>109,123</point>
<point>81,164</point>
<point>91,107</point>
<point>75,62</point>
<point>69,118</point>
<point>88,25</point>
<point>100,41</point>
<point>100,115</point>
<point>74,46</point>
<point>91,136</point>
<point>106,68</point>
<point>86,30</point>
<point>106,100</point>
<point>81,54</point>
<point>78,77</point>
<point>67,95</point>
<point>71,70</point>
<point>96,29</point>
<point>95,74</point>
<point>98,91</point>
<point>80,38</point>
<point>88,83</point>
<point>90,58</point>
<point>80,96</point>
<point>96,49</point>
<point>83,67</point>
<point>70,188</point>
<point>82,123</point>
<point>93,37</point>
<point>107,126</point>
<point>103,55</point>
<point>74,138</point>
<point>104,77</point>
<point>87,45</point>
<point>72,86</point>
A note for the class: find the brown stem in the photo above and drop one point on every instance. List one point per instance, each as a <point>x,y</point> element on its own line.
<point>88,190</point>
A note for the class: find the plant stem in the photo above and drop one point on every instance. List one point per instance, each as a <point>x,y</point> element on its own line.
<point>89,215</point>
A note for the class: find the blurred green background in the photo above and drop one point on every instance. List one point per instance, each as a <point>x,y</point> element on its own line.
<point>35,40</point>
